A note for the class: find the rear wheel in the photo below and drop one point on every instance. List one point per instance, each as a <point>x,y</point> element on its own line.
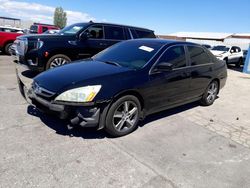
<point>239,63</point>
<point>210,94</point>
<point>123,116</point>
<point>226,60</point>
<point>7,48</point>
<point>57,60</point>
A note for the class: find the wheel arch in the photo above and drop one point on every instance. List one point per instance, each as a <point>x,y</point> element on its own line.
<point>7,42</point>
<point>218,81</point>
<point>116,97</point>
<point>131,92</point>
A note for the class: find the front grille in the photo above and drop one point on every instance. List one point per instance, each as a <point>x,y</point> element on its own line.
<point>21,46</point>
<point>40,91</point>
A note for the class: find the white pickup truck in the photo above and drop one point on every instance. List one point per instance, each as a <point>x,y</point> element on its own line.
<point>230,54</point>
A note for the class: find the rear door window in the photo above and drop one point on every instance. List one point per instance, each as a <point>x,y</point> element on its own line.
<point>142,34</point>
<point>198,56</point>
<point>115,33</point>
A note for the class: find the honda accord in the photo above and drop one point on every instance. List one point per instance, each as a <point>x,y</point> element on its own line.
<point>121,85</point>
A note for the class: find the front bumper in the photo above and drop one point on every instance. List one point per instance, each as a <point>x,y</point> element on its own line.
<point>220,57</point>
<point>85,115</point>
<point>32,61</point>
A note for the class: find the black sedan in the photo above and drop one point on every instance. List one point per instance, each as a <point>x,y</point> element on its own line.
<point>121,85</point>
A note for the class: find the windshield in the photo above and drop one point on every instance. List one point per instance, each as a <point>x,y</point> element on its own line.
<point>131,54</point>
<point>33,29</point>
<point>72,29</point>
<point>220,48</point>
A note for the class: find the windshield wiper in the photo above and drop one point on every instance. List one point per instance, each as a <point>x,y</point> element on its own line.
<point>112,63</point>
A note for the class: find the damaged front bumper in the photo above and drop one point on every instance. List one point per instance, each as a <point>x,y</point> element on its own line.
<point>84,115</point>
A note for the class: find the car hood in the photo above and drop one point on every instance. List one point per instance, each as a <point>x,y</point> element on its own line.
<point>44,36</point>
<point>216,52</point>
<point>79,74</point>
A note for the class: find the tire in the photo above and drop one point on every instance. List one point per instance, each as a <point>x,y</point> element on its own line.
<point>210,94</point>
<point>239,63</point>
<point>7,48</point>
<point>57,60</point>
<point>226,60</point>
<point>122,120</point>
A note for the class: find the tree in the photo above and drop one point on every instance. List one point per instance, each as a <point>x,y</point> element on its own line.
<point>60,17</point>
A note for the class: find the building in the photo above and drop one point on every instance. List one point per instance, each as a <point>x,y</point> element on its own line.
<point>239,39</point>
<point>13,22</point>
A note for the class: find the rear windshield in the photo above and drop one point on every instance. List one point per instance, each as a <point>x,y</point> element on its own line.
<point>33,29</point>
<point>220,48</point>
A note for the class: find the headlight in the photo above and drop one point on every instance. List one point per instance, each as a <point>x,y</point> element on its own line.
<point>38,44</point>
<point>82,94</point>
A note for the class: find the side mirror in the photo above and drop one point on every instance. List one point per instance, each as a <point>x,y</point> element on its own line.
<point>164,66</point>
<point>85,36</point>
<point>231,51</point>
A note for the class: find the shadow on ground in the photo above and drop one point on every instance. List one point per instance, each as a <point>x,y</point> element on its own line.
<point>233,67</point>
<point>60,126</point>
<point>29,74</point>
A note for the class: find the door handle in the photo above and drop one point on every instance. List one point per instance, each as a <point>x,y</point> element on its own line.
<point>103,44</point>
<point>186,74</point>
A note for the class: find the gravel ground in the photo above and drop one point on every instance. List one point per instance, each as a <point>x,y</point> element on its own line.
<point>189,146</point>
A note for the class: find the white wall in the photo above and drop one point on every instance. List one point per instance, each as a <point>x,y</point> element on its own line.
<point>242,43</point>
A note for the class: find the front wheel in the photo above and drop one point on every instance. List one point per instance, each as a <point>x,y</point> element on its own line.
<point>210,94</point>
<point>7,48</point>
<point>123,116</point>
<point>57,60</point>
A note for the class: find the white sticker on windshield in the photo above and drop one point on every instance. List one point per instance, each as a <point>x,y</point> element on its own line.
<point>147,49</point>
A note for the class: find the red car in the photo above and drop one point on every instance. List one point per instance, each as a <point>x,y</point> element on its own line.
<point>6,40</point>
<point>39,28</point>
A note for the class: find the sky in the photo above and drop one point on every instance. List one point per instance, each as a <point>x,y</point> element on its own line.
<point>163,16</point>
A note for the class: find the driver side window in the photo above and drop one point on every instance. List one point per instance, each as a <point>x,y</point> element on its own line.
<point>174,55</point>
<point>95,32</point>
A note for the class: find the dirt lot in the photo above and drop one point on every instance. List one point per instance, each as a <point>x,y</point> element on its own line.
<point>189,146</point>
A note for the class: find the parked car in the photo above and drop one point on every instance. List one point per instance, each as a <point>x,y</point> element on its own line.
<point>77,41</point>
<point>245,55</point>
<point>230,54</point>
<point>128,81</point>
<point>39,28</point>
<point>52,31</point>
<point>207,46</point>
<point>6,40</point>
<point>11,29</point>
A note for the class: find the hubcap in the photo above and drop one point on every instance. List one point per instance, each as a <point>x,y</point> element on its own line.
<point>58,62</point>
<point>125,116</point>
<point>212,92</point>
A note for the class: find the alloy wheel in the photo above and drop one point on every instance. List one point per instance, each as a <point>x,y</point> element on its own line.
<point>59,61</point>
<point>212,92</point>
<point>125,116</point>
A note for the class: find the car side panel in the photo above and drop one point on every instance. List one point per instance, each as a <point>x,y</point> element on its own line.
<point>201,76</point>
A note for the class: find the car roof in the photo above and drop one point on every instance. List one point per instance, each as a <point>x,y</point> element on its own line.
<point>113,24</point>
<point>165,41</point>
